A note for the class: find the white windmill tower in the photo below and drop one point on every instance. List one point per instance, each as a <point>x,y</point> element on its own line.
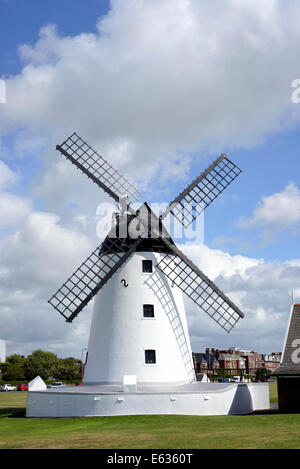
<point>137,276</point>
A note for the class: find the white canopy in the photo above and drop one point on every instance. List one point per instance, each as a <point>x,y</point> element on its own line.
<point>37,384</point>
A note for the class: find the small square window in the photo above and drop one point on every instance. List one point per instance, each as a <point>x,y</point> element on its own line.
<point>147,266</point>
<point>148,311</point>
<point>150,356</point>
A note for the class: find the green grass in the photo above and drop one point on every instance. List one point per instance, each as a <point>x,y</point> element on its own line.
<point>261,430</point>
<point>273,392</point>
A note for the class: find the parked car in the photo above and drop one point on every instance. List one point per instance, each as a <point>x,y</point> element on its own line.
<point>78,384</point>
<point>8,387</point>
<point>22,387</point>
<point>236,379</point>
<point>56,384</point>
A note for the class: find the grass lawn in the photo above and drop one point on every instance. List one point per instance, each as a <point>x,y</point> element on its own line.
<point>273,392</point>
<point>269,430</point>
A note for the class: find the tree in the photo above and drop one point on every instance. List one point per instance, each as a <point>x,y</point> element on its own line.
<point>262,374</point>
<point>16,359</point>
<point>40,363</point>
<point>13,372</point>
<point>13,368</point>
<point>67,369</point>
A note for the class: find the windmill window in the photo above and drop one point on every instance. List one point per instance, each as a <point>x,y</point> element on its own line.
<point>150,357</point>
<point>148,311</point>
<point>147,266</point>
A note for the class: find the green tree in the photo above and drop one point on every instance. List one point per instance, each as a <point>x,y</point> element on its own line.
<point>67,369</point>
<point>40,363</point>
<point>13,368</point>
<point>262,374</point>
<point>16,359</point>
<point>13,372</point>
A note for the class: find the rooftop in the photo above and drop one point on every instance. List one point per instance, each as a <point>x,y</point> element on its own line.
<point>290,364</point>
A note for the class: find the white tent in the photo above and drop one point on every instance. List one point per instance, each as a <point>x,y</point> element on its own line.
<point>203,378</point>
<point>37,384</point>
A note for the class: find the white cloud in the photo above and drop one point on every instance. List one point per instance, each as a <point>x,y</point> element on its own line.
<point>216,262</point>
<point>262,290</point>
<point>13,209</point>
<point>42,254</point>
<point>7,176</point>
<point>295,262</point>
<point>48,250</point>
<point>157,83</point>
<point>276,212</point>
<point>35,261</point>
<point>163,79</point>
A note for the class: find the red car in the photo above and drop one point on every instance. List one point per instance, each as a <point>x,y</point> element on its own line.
<point>22,387</point>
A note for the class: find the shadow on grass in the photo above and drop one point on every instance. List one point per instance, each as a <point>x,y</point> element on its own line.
<point>265,412</point>
<point>272,410</point>
<point>12,412</point>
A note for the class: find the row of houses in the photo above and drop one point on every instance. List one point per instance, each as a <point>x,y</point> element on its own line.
<point>234,360</point>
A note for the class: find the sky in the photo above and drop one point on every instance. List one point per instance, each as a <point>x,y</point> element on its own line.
<point>160,88</point>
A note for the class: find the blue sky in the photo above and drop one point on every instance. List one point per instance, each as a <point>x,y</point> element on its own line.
<point>160,91</point>
<point>21,21</point>
<point>267,169</point>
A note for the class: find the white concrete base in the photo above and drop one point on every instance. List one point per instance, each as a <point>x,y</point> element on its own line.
<point>192,399</point>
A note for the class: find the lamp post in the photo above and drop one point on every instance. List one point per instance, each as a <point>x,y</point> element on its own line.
<point>82,365</point>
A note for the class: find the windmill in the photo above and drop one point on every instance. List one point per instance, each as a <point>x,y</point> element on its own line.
<point>137,276</point>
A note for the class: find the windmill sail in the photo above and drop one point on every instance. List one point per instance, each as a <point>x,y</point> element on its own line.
<point>90,277</point>
<point>193,200</point>
<point>185,275</point>
<point>97,269</point>
<point>76,150</point>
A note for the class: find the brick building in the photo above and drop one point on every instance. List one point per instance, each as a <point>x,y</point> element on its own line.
<point>270,362</point>
<point>234,361</point>
<point>229,360</point>
<point>252,363</point>
<point>206,362</point>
